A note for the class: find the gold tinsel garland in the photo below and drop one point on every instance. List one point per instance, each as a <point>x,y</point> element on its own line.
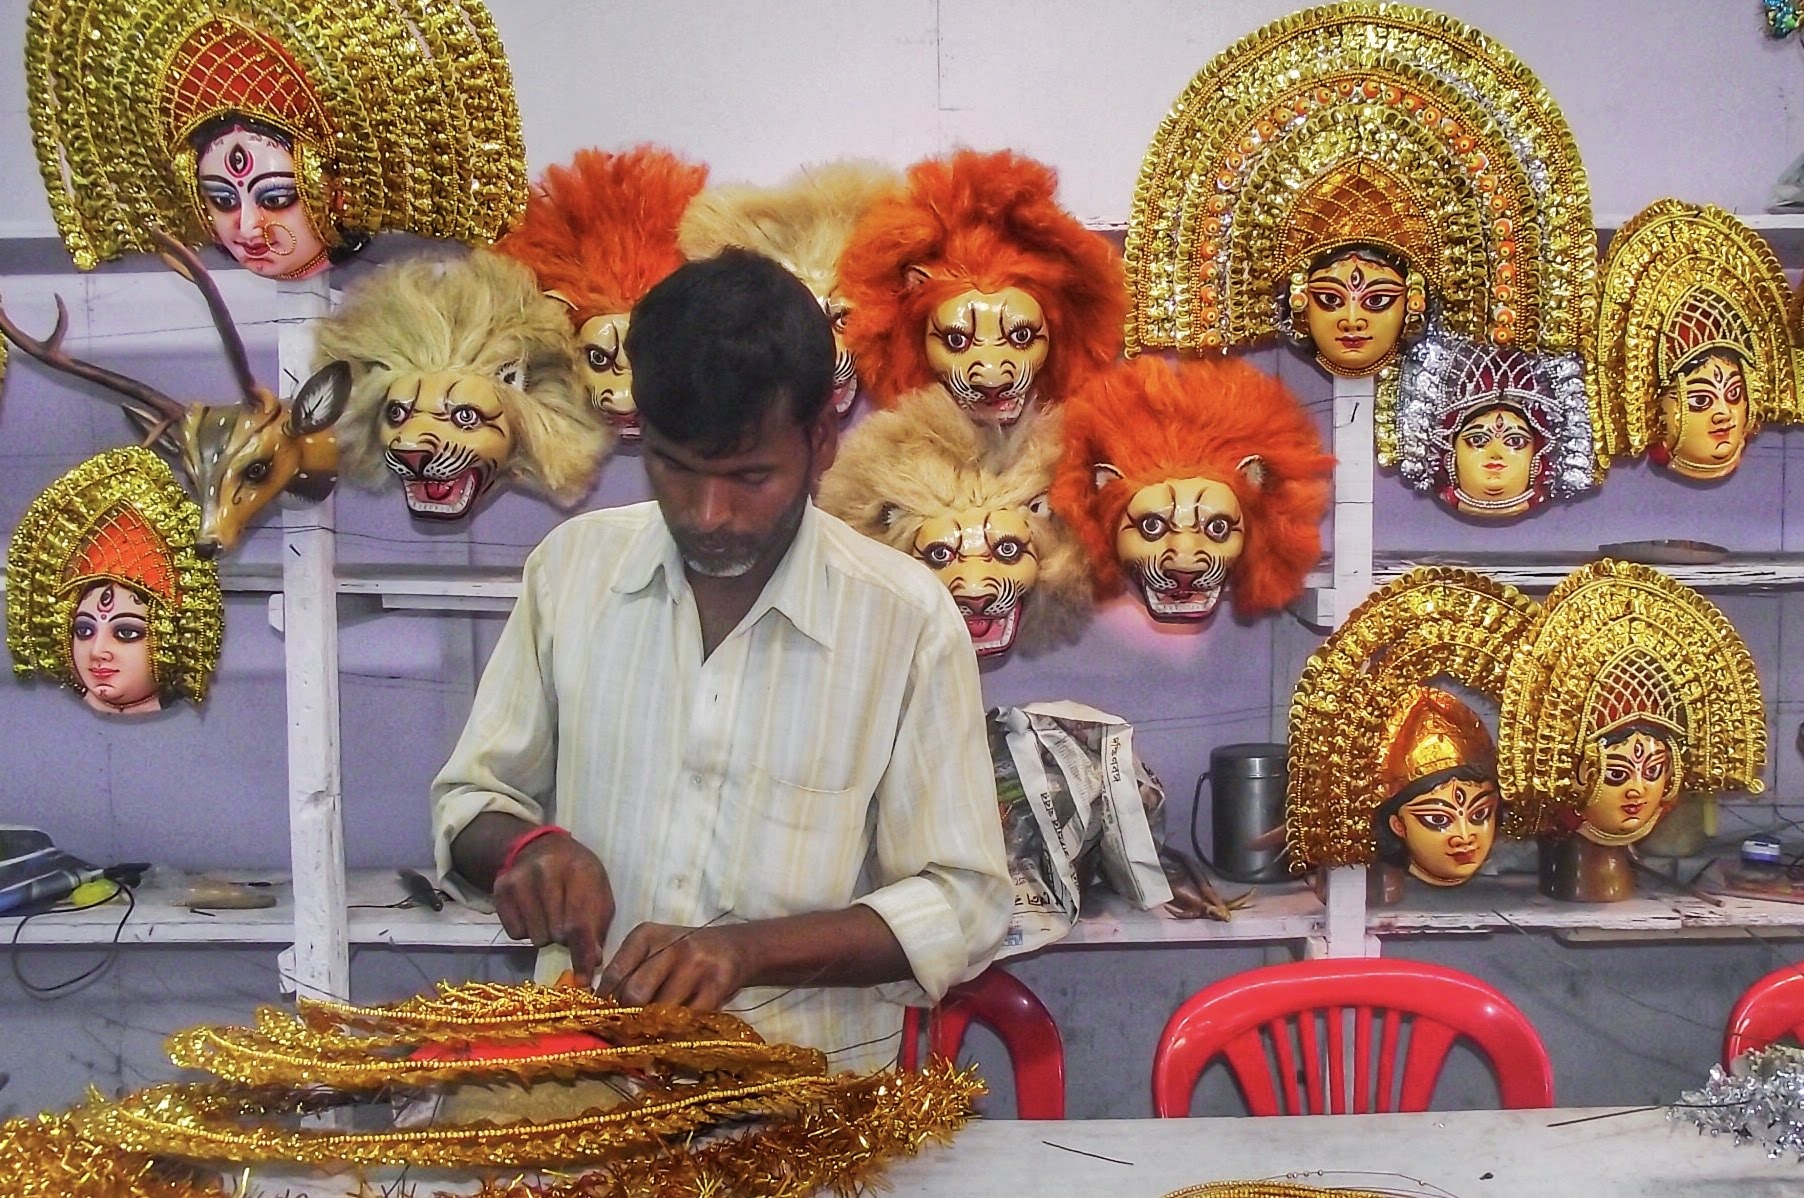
<point>682,1075</point>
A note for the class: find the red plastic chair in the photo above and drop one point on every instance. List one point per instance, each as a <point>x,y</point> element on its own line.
<point>1000,1002</point>
<point>1771,1009</point>
<point>1287,1006</point>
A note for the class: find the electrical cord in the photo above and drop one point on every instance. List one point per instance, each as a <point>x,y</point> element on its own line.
<point>57,989</point>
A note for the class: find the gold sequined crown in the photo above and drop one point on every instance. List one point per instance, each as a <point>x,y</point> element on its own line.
<point>121,517</point>
<point>1430,733</point>
<point>1362,203</point>
<point>225,66</point>
<point>1363,723</point>
<point>1616,643</point>
<point>1415,122</point>
<point>1680,279</point>
<point>401,113</point>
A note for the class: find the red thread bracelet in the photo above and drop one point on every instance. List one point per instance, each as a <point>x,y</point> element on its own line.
<point>526,838</point>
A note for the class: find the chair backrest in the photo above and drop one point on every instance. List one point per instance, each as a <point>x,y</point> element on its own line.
<point>1000,1002</point>
<point>1289,1023</point>
<point>1770,1009</point>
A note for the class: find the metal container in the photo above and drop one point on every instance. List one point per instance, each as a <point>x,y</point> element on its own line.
<point>1246,798</point>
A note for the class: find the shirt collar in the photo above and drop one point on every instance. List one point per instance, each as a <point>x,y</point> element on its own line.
<point>797,590</point>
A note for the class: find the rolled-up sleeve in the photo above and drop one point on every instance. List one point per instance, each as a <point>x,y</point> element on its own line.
<point>946,890</point>
<point>506,759</point>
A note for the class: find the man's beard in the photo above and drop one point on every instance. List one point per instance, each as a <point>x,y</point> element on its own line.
<point>730,556</point>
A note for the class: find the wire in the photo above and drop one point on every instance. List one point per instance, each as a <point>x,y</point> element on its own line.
<point>57,989</point>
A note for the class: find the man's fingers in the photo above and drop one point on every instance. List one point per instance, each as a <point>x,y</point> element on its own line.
<point>627,958</point>
<point>534,909</point>
<point>585,952</point>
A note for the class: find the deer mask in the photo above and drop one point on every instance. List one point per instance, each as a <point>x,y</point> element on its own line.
<point>238,456</point>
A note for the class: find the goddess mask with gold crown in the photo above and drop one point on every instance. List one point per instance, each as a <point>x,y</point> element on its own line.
<point>1631,688</point>
<point>1367,729</point>
<point>119,531</point>
<point>287,132</point>
<point>1381,126</point>
<point>1695,348</point>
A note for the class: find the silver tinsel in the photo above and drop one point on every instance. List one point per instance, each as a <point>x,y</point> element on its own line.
<point>1439,382</point>
<point>1758,1099</point>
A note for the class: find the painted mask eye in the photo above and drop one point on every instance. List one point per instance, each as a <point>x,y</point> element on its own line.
<point>465,416</point>
<point>1379,301</point>
<point>1008,549</point>
<point>1021,336</point>
<point>1218,528</point>
<point>84,628</point>
<point>1152,526</point>
<point>395,413</point>
<point>127,633</point>
<point>1435,821</point>
<point>937,556</point>
<point>957,340</point>
<point>1327,300</point>
<point>257,471</point>
<point>600,360</point>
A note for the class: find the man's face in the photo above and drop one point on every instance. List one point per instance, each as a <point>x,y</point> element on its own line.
<point>736,512</point>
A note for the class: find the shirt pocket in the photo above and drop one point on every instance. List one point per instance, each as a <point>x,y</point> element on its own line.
<point>797,848</point>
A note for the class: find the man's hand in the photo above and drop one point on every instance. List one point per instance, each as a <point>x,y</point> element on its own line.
<point>697,967</point>
<point>556,891</point>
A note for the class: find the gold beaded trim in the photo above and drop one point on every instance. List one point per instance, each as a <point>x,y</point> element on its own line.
<point>1433,622</point>
<point>1480,156</point>
<point>1676,261</point>
<point>1599,617</point>
<point>1271,1189</point>
<point>423,133</point>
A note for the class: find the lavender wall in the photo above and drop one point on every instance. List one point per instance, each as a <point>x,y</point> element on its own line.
<point>1670,96</point>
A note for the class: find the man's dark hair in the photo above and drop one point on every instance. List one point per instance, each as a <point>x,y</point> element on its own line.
<point>720,341</point>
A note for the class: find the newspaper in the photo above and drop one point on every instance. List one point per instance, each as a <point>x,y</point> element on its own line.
<point>1074,801</point>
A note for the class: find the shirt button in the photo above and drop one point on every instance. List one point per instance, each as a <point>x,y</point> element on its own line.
<point>695,780</point>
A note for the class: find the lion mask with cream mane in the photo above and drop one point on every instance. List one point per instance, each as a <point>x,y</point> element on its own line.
<point>1187,479</point>
<point>804,224</point>
<point>973,276</point>
<point>971,504</point>
<point>462,372</point>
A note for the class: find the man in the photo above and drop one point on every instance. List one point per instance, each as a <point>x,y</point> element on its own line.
<point>763,730</point>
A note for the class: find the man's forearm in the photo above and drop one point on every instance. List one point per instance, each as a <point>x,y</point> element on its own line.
<point>850,947</point>
<point>479,849</point>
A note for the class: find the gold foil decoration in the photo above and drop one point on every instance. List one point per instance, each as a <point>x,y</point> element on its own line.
<point>1680,279</point>
<point>402,113</point>
<point>120,516</point>
<point>1429,733</point>
<point>1433,622</point>
<point>676,1073</point>
<point>1286,144</point>
<point>1617,642</point>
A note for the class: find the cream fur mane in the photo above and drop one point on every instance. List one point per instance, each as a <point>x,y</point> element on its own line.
<point>471,316</point>
<point>803,223</point>
<point>923,458</point>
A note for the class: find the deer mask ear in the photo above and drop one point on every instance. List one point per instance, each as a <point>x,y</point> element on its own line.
<point>1040,505</point>
<point>886,515</point>
<point>561,298</point>
<point>1254,470</point>
<point>512,373</point>
<point>914,275</point>
<point>1103,474</point>
<point>321,400</point>
<point>164,436</point>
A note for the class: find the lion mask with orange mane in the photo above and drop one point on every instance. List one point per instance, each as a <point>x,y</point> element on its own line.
<point>1187,479</point>
<point>975,278</point>
<point>600,233</point>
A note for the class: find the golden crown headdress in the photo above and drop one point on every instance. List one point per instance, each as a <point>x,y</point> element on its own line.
<point>1679,280</point>
<point>1402,115</point>
<point>1430,733</point>
<point>118,517</point>
<point>1618,643</point>
<point>1360,719</point>
<point>401,113</point>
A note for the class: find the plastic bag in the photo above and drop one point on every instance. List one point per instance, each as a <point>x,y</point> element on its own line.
<point>1073,799</point>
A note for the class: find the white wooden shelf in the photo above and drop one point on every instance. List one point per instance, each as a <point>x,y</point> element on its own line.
<point>1278,913</point>
<point>1512,903</point>
<point>1543,571</point>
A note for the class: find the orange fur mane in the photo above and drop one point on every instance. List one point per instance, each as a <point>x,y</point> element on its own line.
<point>1153,421</point>
<point>983,221</point>
<point>602,231</point>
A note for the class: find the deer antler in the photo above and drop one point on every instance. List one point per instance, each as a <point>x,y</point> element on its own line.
<point>187,263</point>
<point>51,354</point>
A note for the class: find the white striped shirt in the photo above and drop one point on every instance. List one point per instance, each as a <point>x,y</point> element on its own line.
<point>830,750</point>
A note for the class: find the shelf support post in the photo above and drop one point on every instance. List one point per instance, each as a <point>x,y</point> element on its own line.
<point>321,965</point>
